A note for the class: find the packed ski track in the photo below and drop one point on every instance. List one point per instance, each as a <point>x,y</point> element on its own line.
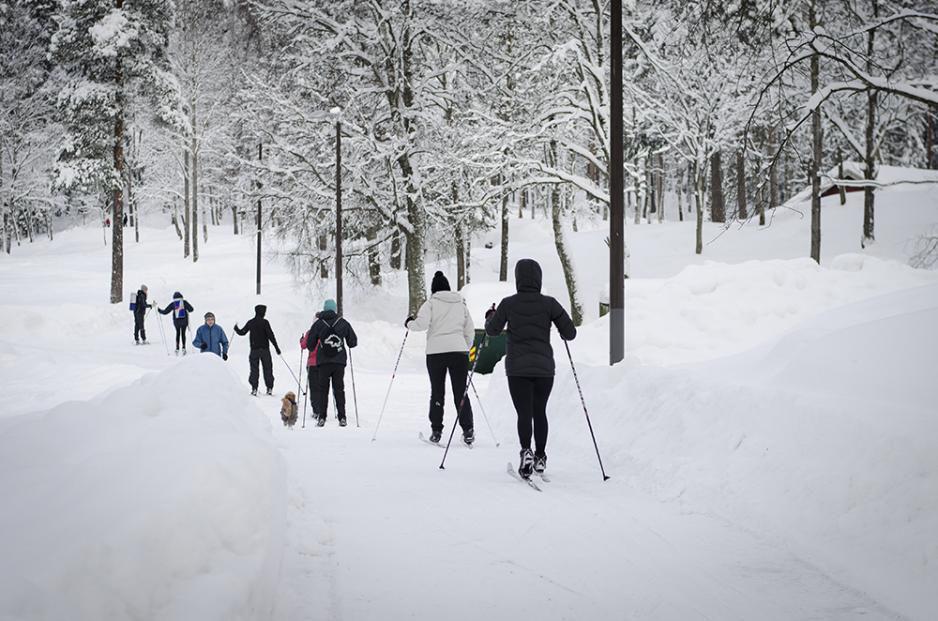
<point>734,494</point>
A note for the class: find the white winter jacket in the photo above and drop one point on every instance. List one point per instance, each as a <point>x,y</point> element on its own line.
<point>447,322</point>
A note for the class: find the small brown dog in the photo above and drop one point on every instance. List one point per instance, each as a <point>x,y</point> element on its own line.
<point>289,410</point>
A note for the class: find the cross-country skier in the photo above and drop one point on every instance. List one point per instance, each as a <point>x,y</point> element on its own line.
<point>449,337</point>
<point>180,308</point>
<point>311,372</point>
<point>529,361</point>
<point>210,338</point>
<point>329,336</point>
<point>140,312</point>
<point>261,337</point>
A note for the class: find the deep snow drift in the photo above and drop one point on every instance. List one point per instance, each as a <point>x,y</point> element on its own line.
<point>163,499</point>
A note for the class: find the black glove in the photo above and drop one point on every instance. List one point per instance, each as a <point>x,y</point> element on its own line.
<point>278,350</point>
<point>407,321</point>
<point>490,312</point>
<point>203,347</point>
<point>236,328</point>
<point>224,356</point>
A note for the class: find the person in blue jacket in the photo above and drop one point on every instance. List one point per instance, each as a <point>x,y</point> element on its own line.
<point>211,338</point>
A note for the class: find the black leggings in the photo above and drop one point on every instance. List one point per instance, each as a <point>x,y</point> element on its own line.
<point>335,373</point>
<point>530,395</point>
<point>457,365</point>
<point>180,336</point>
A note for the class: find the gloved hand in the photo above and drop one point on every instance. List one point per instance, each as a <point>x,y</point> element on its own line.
<point>203,347</point>
<point>224,356</point>
<point>278,350</point>
<point>490,312</point>
<point>236,327</point>
<point>407,322</point>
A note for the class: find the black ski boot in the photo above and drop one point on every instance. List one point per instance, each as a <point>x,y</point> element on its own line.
<point>270,391</point>
<point>540,463</point>
<point>435,435</point>
<point>469,436</point>
<point>254,392</point>
<point>527,464</point>
<point>343,422</point>
<point>321,421</point>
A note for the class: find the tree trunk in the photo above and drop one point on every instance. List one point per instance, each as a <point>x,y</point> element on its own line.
<point>563,253</point>
<point>773,174</point>
<point>661,184</point>
<point>117,231</point>
<point>503,257</point>
<point>869,157</point>
<point>840,175</point>
<point>717,204</point>
<point>817,152</point>
<point>698,200</point>
<point>195,187</point>
<point>234,218</point>
<point>679,190</point>
<point>323,264</point>
<point>396,249</point>
<point>638,195</point>
<point>374,258</point>
<point>742,212</point>
<point>186,207</point>
<point>459,240</point>
<point>762,194</point>
<point>931,129</point>
<point>176,219</point>
<point>468,259</point>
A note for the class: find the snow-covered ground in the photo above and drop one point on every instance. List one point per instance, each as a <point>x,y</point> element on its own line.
<point>771,441</point>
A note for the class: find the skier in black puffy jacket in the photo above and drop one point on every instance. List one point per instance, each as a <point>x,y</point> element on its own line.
<point>329,335</point>
<point>529,359</point>
<point>261,337</point>
<point>180,308</point>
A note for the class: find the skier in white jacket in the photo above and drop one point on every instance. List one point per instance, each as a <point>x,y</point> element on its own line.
<point>449,337</point>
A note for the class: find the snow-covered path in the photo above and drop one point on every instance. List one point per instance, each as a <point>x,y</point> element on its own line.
<point>377,530</point>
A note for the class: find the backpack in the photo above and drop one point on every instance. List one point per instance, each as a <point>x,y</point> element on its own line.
<point>180,308</point>
<point>330,343</point>
<point>133,302</point>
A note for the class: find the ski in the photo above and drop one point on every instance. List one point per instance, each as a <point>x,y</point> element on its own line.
<point>424,438</point>
<point>514,474</point>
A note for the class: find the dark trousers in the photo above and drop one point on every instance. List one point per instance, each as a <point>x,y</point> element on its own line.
<point>457,365</point>
<point>139,331</point>
<point>530,395</point>
<point>261,356</point>
<point>180,336</point>
<point>313,374</point>
<point>336,374</point>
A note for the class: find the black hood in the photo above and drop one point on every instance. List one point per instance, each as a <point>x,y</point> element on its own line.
<point>260,310</point>
<point>328,315</point>
<point>528,276</point>
<point>177,296</point>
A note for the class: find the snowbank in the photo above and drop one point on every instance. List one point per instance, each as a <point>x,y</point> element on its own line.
<point>824,440</point>
<point>716,309</point>
<point>161,500</point>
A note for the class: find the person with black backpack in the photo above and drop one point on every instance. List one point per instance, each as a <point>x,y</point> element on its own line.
<point>180,308</point>
<point>329,336</point>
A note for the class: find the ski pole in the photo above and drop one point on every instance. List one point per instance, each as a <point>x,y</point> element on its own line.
<point>287,364</point>
<point>583,401</point>
<point>486,418</point>
<point>391,383</point>
<point>159,320</point>
<point>305,400</point>
<point>465,393</point>
<point>354,393</point>
<point>301,366</point>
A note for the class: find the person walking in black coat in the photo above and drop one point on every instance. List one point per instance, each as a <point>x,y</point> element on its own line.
<point>140,313</point>
<point>180,308</point>
<point>329,336</point>
<point>261,338</point>
<point>529,359</point>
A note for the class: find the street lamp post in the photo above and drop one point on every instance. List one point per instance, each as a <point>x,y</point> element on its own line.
<point>338,209</point>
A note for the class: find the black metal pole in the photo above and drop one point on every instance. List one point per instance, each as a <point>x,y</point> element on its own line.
<point>260,155</point>
<point>338,216</point>
<point>616,194</point>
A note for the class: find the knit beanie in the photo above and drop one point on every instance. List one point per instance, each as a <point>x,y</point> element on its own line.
<point>330,305</point>
<point>439,283</point>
